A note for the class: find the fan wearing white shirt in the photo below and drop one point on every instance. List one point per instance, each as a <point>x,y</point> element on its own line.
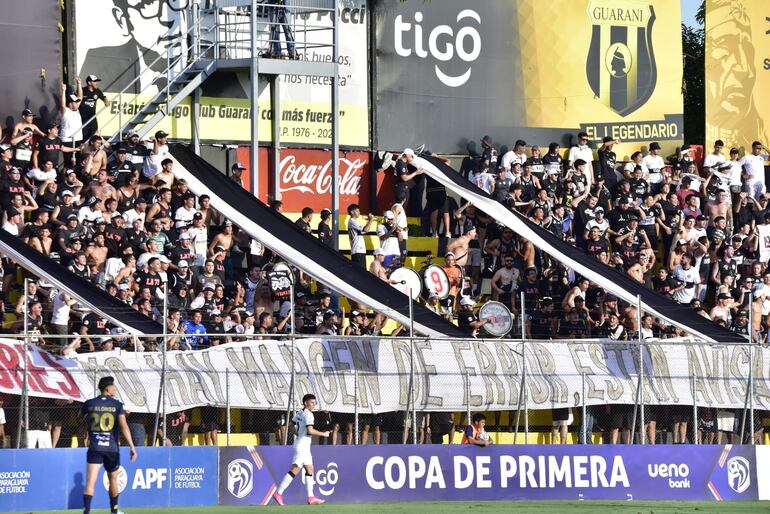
<point>754,169</point>
<point>582,151</point>
<point>152,164</point>
<point>654,164</point>
<point>715,158</point>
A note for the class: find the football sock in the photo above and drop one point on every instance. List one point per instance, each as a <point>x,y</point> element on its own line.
<point>285,482</point>
<point>87,503</point>
<point>113,504</point>
<point>309,482</point>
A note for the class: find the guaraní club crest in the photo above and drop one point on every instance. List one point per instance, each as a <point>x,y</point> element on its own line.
<point>621,64</point>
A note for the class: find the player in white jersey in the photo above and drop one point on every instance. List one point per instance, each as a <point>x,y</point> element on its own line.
<point>303,421</point>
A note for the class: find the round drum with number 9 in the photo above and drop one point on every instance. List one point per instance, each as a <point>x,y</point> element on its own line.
<point>436,281</point>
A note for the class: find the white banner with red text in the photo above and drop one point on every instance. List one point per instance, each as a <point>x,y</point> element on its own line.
<point>376,372</point>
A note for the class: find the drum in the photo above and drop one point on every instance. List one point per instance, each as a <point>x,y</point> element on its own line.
<point>435,280</point>
<point>500,318</point>
<point>408,282</point>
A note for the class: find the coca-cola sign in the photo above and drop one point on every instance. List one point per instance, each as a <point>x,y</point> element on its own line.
<point>317,178</point>
<point>306,180</point>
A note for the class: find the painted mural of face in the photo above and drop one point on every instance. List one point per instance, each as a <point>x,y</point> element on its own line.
<point>152,22</point>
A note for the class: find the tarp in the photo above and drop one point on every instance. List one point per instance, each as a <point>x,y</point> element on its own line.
<point>106,306</point>
<point>300,248</point>
<point>619,284</point>
<point>486,373</point>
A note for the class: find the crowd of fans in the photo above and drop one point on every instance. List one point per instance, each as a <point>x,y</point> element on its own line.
<point>696,233</point>
<point>117,216</point>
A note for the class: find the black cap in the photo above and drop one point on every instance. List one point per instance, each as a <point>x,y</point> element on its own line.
<point>159,134</point>
<point>607,139</point>
<point>105,382</point>
<point>27,112</point>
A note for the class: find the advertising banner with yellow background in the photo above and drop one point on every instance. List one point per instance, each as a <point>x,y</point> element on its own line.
<point>229,119</point>
<point>738,72</point>
<point>119,40</point>
<point>528,69</point>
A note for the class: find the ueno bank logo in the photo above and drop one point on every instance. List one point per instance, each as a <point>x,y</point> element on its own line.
<point>443,43</point>
<point>240,477</point>
<point>738,474</point>
<point>326,479</point>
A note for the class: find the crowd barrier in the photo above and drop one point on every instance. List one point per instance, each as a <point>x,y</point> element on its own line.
<point>178,477</point>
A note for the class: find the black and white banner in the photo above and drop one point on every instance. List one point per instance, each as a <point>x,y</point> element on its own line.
<point>301,249</point>
<point>619,284</point>
<point>448,375</point>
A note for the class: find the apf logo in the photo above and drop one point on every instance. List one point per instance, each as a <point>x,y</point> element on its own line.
<point>240,477</point>
<point>440,44</point>
<point>326,479</point>
<point>122,480</point>
<point>738,474</point>
<point>620,67</point>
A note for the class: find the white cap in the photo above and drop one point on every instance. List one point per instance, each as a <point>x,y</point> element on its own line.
<point>378,251</point>
<point>182,264</point>
<point>389,215</point>
<point>466,300</point>
<point>408,152</point>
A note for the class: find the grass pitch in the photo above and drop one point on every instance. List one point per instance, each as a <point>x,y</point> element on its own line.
<point>555,507</point>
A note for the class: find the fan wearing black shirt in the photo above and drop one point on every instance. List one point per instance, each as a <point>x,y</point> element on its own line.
<point>135,151</point>
<point>541,322</point>
<point>324,229</point>
<point>182,252</point>
<point>150,279</point>
<point>304,222</point>
<point>93,325</point>
<point>663,283</point>
<point>49,148</point>
<point>467,320</point>
<point>607,162</point>
<point>91,94</point>
<point>573,327</point>
<point>115,235</point>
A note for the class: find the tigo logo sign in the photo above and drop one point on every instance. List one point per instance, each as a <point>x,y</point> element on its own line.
<point>442,43</point>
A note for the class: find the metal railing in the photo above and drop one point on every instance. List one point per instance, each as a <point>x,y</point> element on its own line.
<point>219,32</point>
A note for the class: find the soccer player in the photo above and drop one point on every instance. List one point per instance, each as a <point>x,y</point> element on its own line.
<point>303,421</point>
<point>106,421</point>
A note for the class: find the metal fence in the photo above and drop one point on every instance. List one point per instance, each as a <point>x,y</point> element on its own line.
<point>536,392</point>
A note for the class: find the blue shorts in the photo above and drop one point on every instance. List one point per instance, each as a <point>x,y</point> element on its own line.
<point>111,460</point>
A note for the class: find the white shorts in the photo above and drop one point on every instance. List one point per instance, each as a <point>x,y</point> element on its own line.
<point>39,439</point>
<point>2,416</point>
<point>725,420</point>
<point>302,456</point>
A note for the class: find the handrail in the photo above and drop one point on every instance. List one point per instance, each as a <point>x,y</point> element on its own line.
<point>141,73</point>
